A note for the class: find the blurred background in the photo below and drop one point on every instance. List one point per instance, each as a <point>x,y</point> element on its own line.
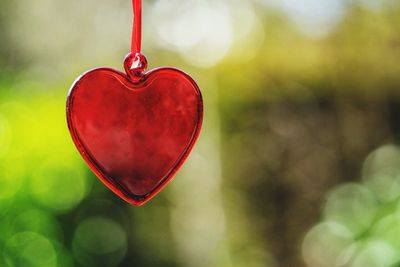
<point>298,163</point>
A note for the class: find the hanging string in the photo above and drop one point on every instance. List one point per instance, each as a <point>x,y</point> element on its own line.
<point>135,62</point>
<point>137,27</point>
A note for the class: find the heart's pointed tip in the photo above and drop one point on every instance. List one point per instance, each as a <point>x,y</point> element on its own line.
<point>137,202</point>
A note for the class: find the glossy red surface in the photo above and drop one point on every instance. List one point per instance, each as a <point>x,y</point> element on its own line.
<point>135,135</point>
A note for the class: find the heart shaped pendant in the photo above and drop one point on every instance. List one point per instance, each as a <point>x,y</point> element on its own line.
<point>135,131</point>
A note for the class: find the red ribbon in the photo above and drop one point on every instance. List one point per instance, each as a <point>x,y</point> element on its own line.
<point>137,27</point>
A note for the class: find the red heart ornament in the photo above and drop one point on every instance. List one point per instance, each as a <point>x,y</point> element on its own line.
<point>135,134</point>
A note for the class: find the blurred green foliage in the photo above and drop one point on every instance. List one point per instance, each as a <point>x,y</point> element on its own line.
<point>361,221</point>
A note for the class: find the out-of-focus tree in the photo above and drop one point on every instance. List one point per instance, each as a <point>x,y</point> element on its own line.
<point>302,116</point>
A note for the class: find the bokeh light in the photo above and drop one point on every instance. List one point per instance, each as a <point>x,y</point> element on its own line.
<point>187,31</point>
<point>183,27</point>
<point>58,185</point>
<point>368,210</point>
<point>99,241</point>
<point>313,17</point>
<point>388,229</point>
<point>376,253</point>
<point>351,205</point>
<point>381,172</point>
<point>324,244</point>
<point>10,181</point>
<point>22,121</point>
<point>31,250</point>
<point>37,221</point>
